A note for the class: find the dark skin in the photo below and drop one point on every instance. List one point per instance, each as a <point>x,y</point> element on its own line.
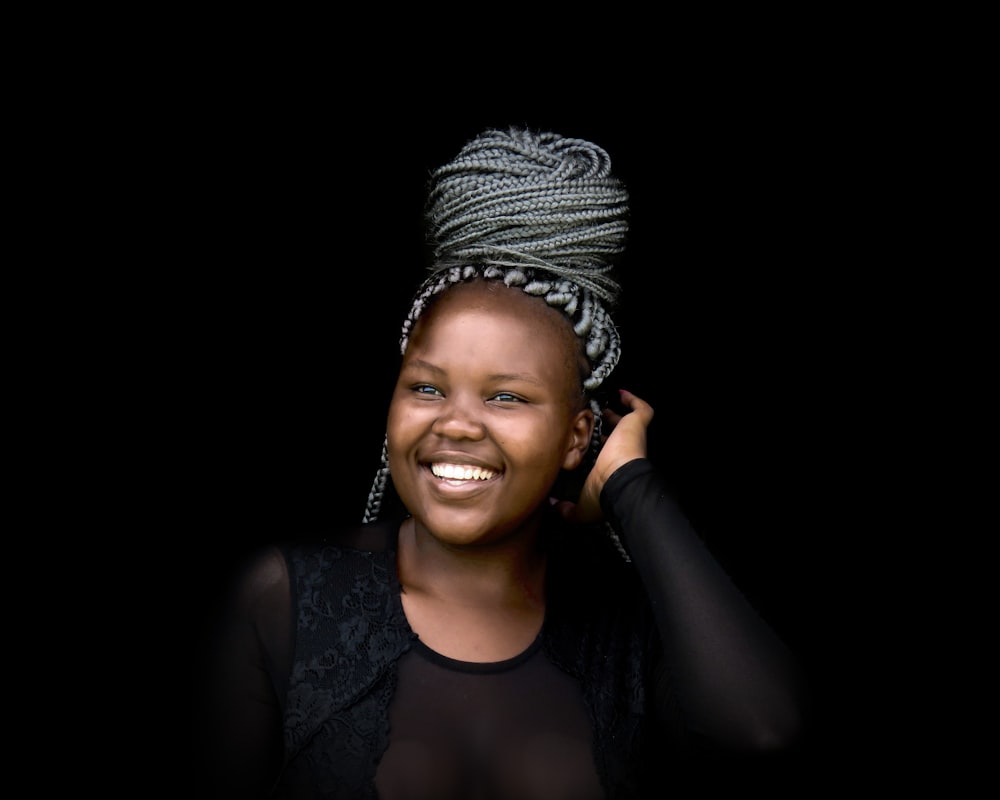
<point>490,384</point>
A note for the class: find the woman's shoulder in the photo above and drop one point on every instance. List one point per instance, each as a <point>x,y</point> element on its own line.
<point>269,569</point>
<point>343,557</point>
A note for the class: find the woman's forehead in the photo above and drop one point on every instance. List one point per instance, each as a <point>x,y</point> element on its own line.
<point>488,318</point>
<point>494,297</point>
<point>499,331</point>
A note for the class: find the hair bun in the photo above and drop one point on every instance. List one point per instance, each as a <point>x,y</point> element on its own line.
<point>533,200</point>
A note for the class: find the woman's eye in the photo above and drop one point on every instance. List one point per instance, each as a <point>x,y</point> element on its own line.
<point>425,389</point>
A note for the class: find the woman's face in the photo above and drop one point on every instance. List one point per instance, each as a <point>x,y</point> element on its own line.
<point>486,411</point>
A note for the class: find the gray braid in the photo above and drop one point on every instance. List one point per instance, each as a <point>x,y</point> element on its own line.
<point>519,198</point>
<point>374,504</point>
<point>539,212</point>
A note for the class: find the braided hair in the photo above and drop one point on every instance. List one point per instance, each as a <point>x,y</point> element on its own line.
<point>540,212</point>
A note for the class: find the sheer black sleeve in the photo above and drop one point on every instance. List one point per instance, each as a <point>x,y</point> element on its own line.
<point>735,682</point>
<point>248,651</point>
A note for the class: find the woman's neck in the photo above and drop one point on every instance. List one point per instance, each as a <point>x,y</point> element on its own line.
<point>512,570</point>
<point>482,604</point>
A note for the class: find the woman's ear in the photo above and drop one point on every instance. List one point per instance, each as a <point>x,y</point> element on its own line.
<point>581,431</point>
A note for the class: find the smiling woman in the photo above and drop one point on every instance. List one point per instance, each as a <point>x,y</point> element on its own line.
<point>459,402</point>
<point>523,611</point>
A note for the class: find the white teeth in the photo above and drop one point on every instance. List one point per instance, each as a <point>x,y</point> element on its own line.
<point>460,472</point>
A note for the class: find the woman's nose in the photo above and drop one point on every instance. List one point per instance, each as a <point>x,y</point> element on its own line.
<point>460,418</point>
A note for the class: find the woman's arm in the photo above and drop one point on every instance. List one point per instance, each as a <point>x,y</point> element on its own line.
<point>240,726</point>
<point>735,682</point>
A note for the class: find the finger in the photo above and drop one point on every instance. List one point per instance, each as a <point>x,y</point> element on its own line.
<point>635,403</point>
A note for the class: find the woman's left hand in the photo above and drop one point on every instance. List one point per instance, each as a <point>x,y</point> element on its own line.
<point>624,442</point>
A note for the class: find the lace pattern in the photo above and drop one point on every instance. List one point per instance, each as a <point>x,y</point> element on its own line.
<point>350,632</point>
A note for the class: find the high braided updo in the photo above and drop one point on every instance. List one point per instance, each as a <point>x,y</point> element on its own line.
<point>540,212</point>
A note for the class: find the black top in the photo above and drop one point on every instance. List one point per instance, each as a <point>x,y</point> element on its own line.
<point>323,690</point>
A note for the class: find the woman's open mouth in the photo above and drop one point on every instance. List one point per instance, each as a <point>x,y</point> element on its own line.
<point>461,472</point>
